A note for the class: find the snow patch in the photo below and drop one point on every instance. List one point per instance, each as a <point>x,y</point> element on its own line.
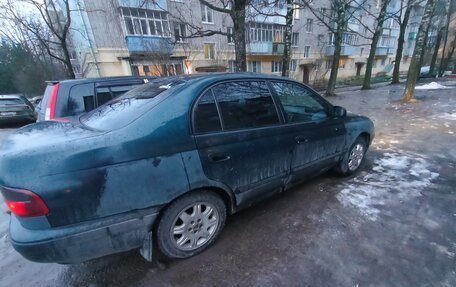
<point>395,178</point>
<point>432,86</point>
<point>448,116</point>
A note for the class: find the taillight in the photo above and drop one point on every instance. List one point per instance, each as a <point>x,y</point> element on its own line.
<point>23,202</point>
<point>52,102</point>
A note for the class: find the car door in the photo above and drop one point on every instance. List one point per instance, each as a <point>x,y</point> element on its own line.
<point>239,139</point>
<point>319,137</point>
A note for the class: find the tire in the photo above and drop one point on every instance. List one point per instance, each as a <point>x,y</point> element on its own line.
<point>353,158</point>
<point>190,224</point>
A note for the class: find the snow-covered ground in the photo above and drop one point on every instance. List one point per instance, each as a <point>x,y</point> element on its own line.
<point>431,86</point>
<point>396,176</point>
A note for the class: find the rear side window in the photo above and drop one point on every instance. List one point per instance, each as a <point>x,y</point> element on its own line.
<point>105,94</point>
<point>81,99</point>
<point>245,104</point>
<point>206,115</point>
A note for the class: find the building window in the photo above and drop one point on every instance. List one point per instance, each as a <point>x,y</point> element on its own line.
<point>328,65</point>
<point>179,32</point>
<point>295,39</point>
<point>323,12</point>
<point>342,63</point>
<point>276,67</point>
<point>231,66</point>
<point>145,22</point>
<point>361,51</point>
<point>293,65</point>
<point>207,14</point>
<point>254,66</point>
<point>383,62</point>
<point>296,11</point>
<point>309,25</point>
<point>321,40</point>
<point>209,51</point>
<point>230,35</point>
<point>259,32</point>
<point>306,51</point>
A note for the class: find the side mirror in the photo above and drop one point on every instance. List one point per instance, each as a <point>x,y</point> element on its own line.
<point>339,112</point>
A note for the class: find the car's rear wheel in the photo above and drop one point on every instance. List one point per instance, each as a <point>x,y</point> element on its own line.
<point>353,158</point>
<point>190,224</point>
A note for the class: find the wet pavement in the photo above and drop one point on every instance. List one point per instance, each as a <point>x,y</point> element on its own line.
<point>391,224</point>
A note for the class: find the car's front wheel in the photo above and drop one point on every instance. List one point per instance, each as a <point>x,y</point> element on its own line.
<point>190,224</point>
<point>353,158</point>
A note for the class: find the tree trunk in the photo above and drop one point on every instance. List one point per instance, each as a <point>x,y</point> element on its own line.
<point>446,61</point>
<point>67,62</point>
<point>414,70</point>
<point>400,43</point>
<point>238,16</point>
<point>425,44</point>
<point>288,33</point>
<point>337,50</point>
<point>436,51</point>
<point>447,26</point>
<point>373,47</point>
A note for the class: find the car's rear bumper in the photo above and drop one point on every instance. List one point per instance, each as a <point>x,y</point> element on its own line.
<point>81,242</point>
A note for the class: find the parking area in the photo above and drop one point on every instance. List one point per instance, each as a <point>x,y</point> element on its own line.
<point>391,224</point>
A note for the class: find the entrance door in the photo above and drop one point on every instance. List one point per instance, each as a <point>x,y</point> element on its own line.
<point>305,74</point>
<point>358,69</point>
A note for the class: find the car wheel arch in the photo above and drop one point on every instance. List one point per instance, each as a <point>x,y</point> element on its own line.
<point>366,136</point>
<point>227,197</point>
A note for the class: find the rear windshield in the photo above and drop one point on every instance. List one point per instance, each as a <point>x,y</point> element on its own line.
<point>123,110</point>
<point>9,102</point>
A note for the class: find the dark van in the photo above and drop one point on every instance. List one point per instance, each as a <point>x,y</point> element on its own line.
<point>74,97</point>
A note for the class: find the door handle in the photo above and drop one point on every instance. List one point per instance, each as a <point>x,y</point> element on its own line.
<point>219,157</point>
<point>301,139</point>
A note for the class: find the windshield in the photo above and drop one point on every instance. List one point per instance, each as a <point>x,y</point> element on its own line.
<point>123,110</point>
<point>10,102</point>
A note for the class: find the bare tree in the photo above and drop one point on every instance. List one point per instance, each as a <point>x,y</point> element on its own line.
<point>267,9</point>
<point>235,10</point>
<point>382,16</point>
<point>443,62</point>
<point>48,22</point>
<point>403,20</point>
<point>336,21</point>
<point>414,69</point>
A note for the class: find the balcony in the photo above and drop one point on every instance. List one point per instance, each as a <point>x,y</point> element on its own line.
<point>265,48</point>
<point>384,51</point>
<point>345,51</point>
<point>158,5</point>
<point>140,44</point>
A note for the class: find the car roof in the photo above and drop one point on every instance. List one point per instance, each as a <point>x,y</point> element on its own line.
<point>213,77</point>
<point>101,79</point>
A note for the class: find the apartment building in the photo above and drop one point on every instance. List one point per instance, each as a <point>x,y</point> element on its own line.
<point>141,37</point>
